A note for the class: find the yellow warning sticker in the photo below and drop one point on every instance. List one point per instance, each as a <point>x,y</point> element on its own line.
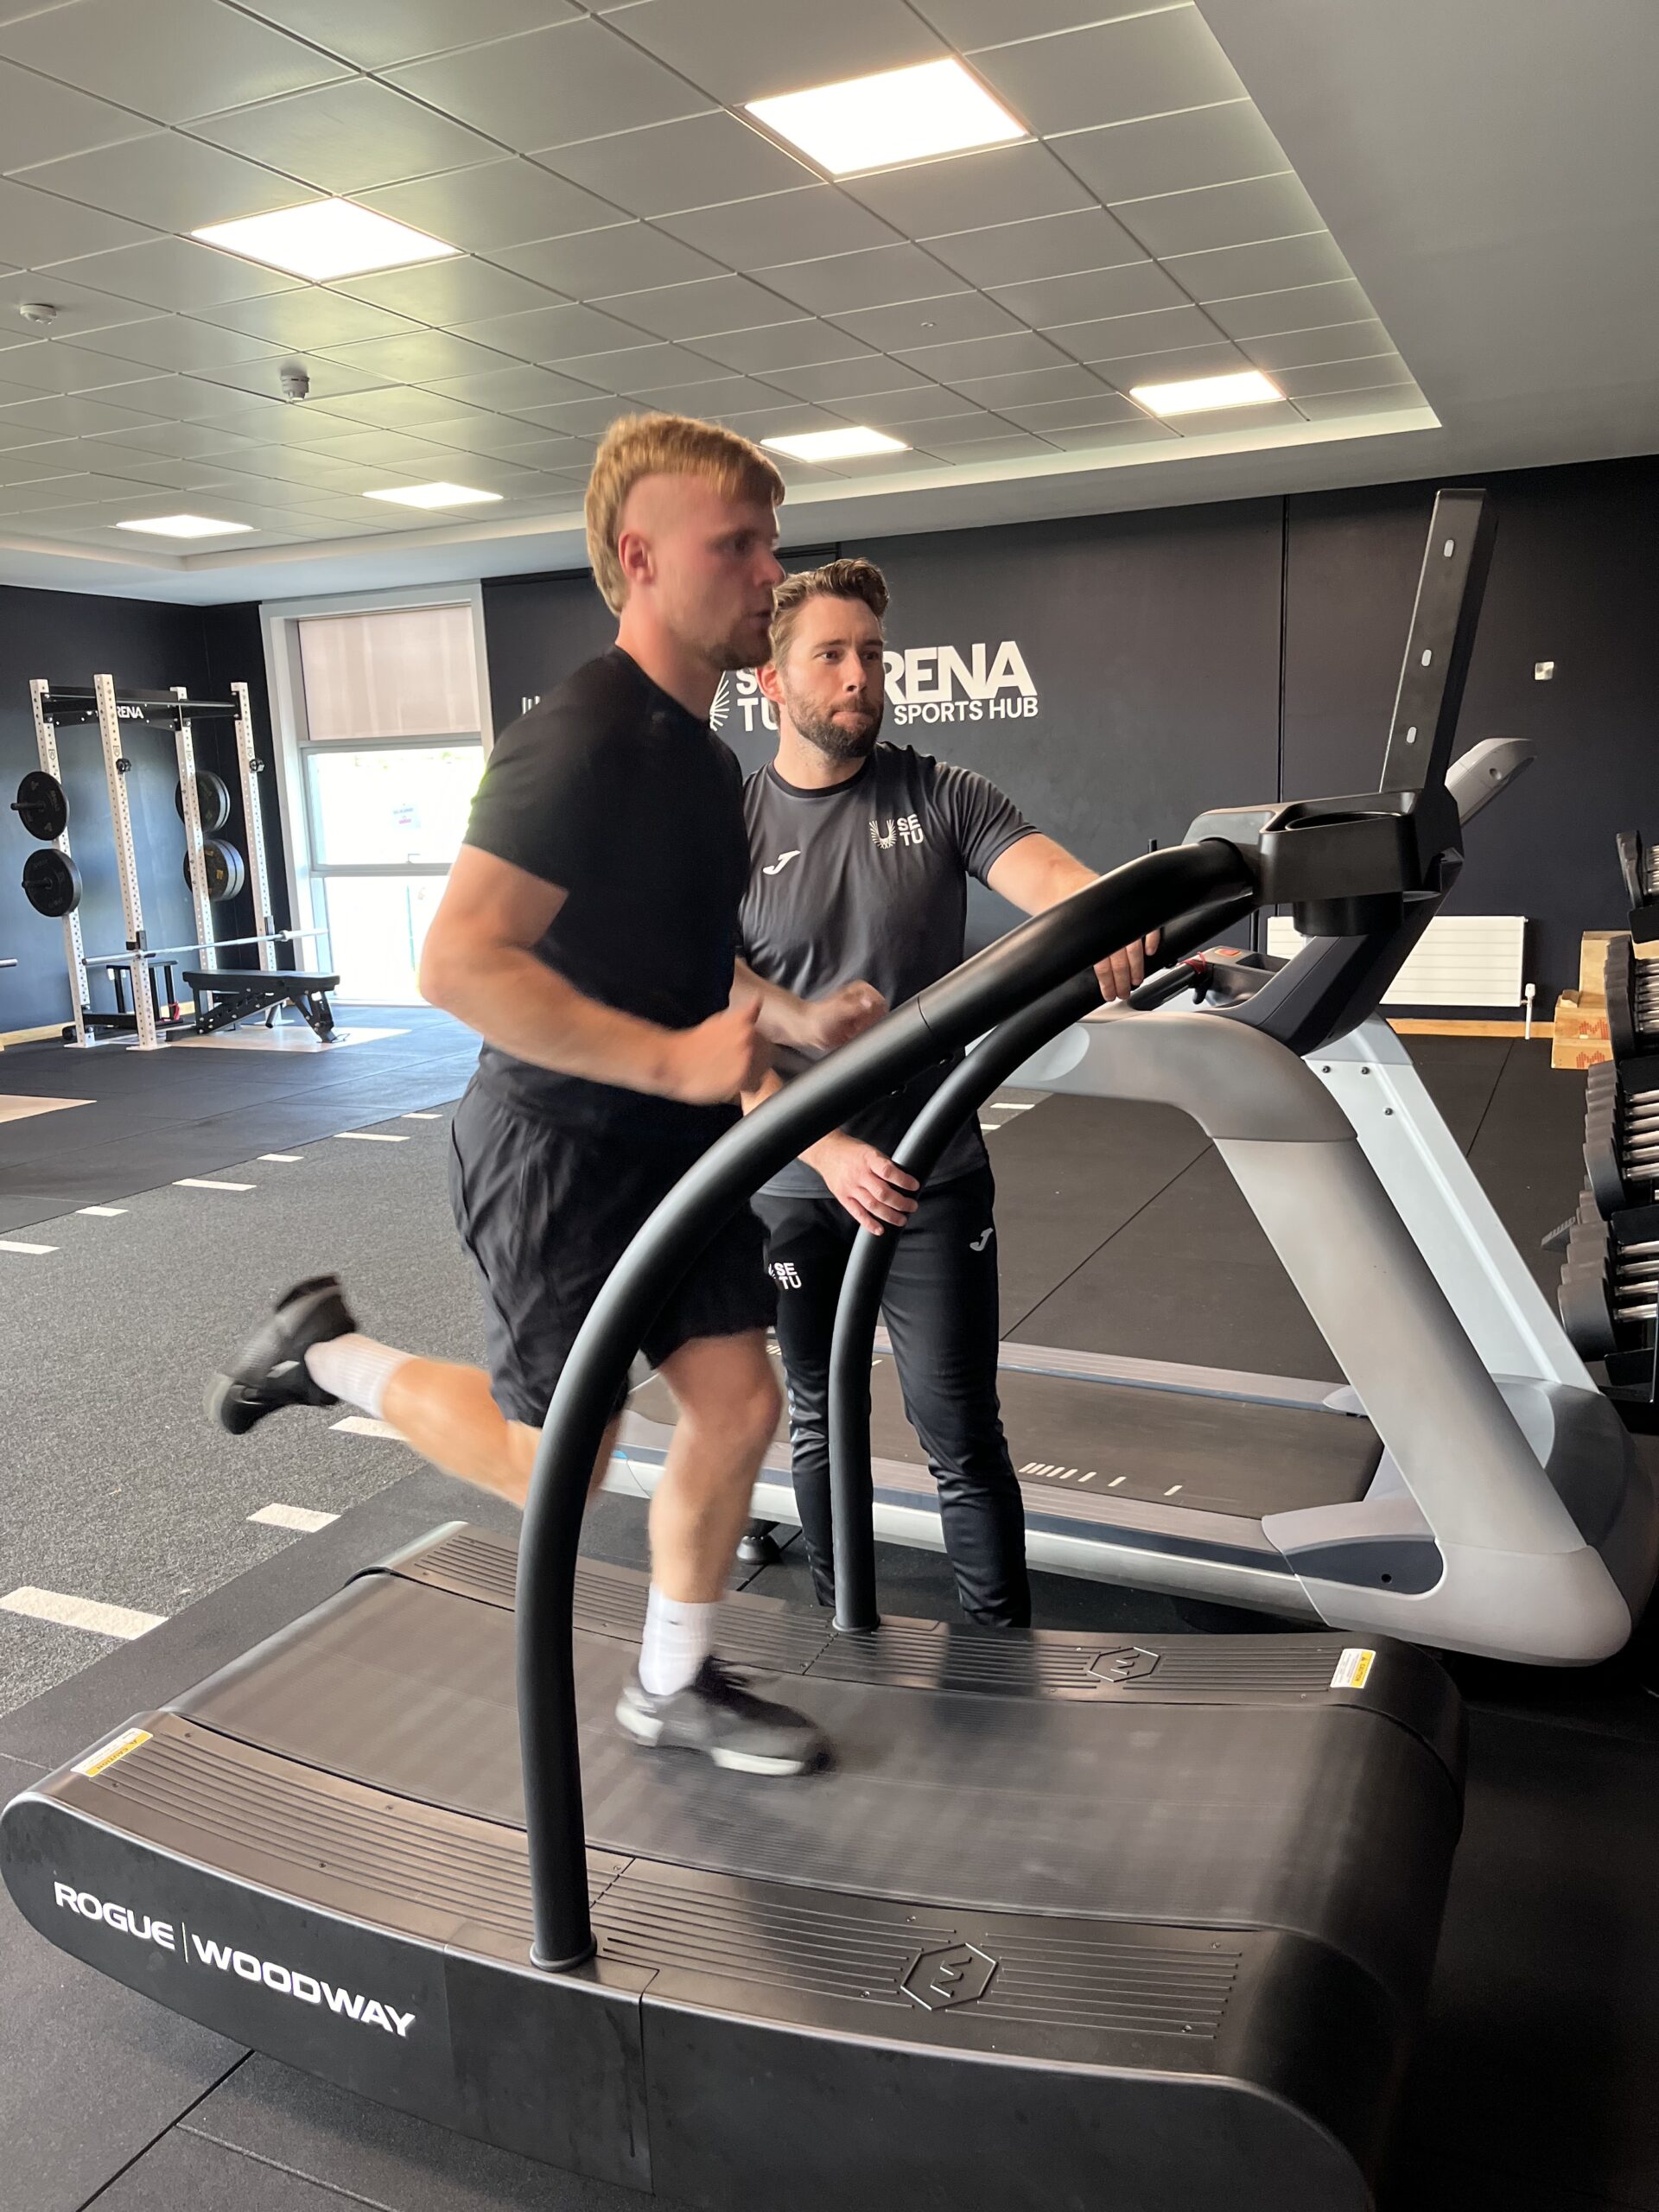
<point>95,1763</point>
<point>1353,1670</point>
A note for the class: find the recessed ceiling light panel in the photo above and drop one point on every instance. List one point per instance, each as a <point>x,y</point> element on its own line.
<point>434,495</point>
<point>184,527</point>
<point>884,121</point>
<point>850,444</point>
<point>324,239</point>
<point>1196,395</point>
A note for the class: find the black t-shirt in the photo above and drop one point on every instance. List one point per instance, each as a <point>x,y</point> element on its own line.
<point>867,882</point>
<point>617,794</point>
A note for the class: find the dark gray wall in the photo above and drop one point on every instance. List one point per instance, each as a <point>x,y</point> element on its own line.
<point>68,638</point>
<point>1200,655</point>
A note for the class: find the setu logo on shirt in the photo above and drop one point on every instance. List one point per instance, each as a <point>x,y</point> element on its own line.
<point>782,862</point>
<point>906,830</point>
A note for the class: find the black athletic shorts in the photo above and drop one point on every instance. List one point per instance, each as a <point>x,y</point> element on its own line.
<point>546,1213</point>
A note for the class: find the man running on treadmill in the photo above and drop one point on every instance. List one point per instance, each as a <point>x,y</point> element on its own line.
<point>860,856</point>
<point>588,932</point>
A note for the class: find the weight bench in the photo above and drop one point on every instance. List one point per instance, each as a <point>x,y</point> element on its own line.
<point>235,993</point>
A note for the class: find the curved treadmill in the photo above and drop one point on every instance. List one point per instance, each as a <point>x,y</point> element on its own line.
<point>1074,1920</point>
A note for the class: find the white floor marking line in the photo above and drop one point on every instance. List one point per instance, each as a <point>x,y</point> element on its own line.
<point>102,1213</point>
<point>1116,1480</point>
<point>362,1425</point>
<point>368,1137</point>
<point>11,1244</point>
<point>210,1183</point>
<point>79,1612</point>
<point>420,1117</point>
<point>282,1155</point>
<point>293,1517</point>
<point>1173,1489</point>
<point>1014,1105</point>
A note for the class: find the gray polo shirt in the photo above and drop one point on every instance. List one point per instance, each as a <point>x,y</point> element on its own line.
<point>868,882</point>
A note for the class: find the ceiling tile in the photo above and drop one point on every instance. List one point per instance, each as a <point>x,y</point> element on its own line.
<point>1075,414</point>
<point>1047,245</point>
<point>711,398</point>
<point>178,273</point>
<point>888,464</point>
<point>1003,185</point>
<point>635,368</point>
<point>550,333</point>
<point>985,357</point>
<point>1007,445</point>
<point>424,357</point>
<point>547,87</point>
<point>509,384</point>
<point>59,366</point>
<point>1307,307</point>
<point>141,468</point>
<point>925,404</point>
<point>970,24</point>
<point>495,203</point>
<point>310,316</point>
<point>552,452</point>
<point>1120,335</point>
<point>173,341</point>
<point>1301,349</point>
<point>496,433</point>
<point>929,322</point>
<point>31,464</point>
<point>782,346</point>
<point>1220,214</point>
<point>349,136</point>
<point>445,292</point>
<point>1363,375</point>
<point>171,59</point>
<point>1230,271</point>
<point>598,263</point>
<point>702,309</point>
<point>198,399</point>
<point>875,279</point>
<point>80,311</point>
<point>1174,153</point>
<point>1136,289</point>
<point>33,421</point>
<point>1143,64</point>
<point>402,407</point>
<point>374,33</point>
<point>839,380</point>
<point>695,163</point>
<point>170,182</point>
<point>330,380</point>
<point>589,417</point>
<point>40,121</point>
<point>38,228</point>
<point>818,218</point>
<point>1026,387</point>
<point>928,432</point>
<point>1335,406</point>
<point>50,492</point>
<point>738,52</point>
<point>179,438</point>
<point>1106,437</point>
<point>387,449</point>
<point>1220,359</point>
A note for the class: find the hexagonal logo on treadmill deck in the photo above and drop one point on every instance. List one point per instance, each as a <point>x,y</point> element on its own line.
<point>959,1975</point>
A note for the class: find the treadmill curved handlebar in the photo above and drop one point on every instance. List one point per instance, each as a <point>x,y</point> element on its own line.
<point>1032,960</point>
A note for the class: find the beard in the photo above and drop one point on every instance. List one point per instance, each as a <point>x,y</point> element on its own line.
<point>833,739</point>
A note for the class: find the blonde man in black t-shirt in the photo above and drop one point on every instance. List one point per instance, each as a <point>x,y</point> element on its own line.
<point>588,933</point>
<point>860,854</point>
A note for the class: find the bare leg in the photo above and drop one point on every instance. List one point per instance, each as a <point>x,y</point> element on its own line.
<point>729,1404</point>
<point>446,1413</point>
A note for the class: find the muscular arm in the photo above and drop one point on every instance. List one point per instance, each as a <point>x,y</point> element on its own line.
<point>478,965</point>
<point>1035,874</point>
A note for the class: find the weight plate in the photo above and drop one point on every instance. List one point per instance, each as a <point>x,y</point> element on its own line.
<point>41,806</point>
<point>52,883</point>
<point>225,870</point>
<point>213,801</point>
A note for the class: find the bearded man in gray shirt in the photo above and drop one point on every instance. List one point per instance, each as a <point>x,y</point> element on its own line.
<point>860,856</point>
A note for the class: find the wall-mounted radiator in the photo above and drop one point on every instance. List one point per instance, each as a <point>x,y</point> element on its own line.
<point>1461,960</point>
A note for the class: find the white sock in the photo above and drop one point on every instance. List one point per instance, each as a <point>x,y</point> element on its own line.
<point>678,1638</point>
<point>356,1369</point>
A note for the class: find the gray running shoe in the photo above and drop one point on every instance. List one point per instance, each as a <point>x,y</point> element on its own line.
<point>717,1715</point>
<point>269,1371</point>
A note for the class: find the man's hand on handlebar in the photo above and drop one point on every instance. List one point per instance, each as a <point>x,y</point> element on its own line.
<point>1121,971</point>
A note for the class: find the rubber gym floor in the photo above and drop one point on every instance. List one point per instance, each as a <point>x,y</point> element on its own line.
<point>223,1176</point>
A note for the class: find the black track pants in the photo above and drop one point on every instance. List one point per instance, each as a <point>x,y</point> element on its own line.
<point>940,1307</point>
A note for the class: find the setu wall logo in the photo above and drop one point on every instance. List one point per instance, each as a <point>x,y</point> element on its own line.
<point>926,683</point>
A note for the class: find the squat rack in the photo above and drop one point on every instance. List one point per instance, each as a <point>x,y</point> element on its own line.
<point>67,706</point>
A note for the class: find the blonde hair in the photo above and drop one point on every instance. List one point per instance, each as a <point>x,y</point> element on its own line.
<point>856,578</point>
<point>664,445</point>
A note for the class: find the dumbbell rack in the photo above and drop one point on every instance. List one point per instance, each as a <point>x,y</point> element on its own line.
<point>55,708</point>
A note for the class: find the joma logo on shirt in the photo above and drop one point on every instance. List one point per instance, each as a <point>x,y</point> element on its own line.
<point>906,830</point>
